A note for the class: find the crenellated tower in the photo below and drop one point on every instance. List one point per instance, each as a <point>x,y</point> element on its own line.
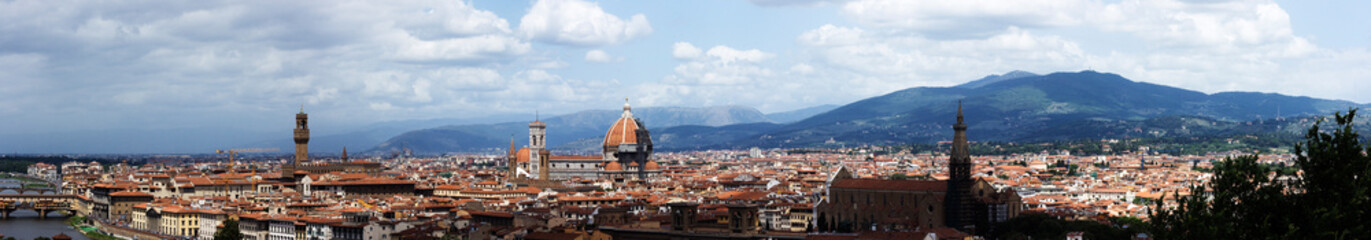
<point>301,144</point>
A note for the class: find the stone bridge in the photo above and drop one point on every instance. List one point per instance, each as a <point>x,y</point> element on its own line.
<point>29,190</point>
<point>41,203</point>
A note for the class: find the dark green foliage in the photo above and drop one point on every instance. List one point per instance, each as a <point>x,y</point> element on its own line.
<point>1336,181</point>
<point>1248,204</point>
<point>1328,201</point>
<point>229,231</point>
<point>1043,226</point>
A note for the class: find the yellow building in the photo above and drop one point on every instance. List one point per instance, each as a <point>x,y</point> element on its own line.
<point>180,221</point>
<point>169,219</point>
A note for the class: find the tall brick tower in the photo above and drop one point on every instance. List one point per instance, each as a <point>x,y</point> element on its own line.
<point>301,142</point>
<point>959,202</point>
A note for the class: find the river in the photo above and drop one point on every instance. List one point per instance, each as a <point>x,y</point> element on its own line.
<point>25,224</point>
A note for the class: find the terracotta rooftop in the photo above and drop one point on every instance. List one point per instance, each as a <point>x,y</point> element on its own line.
<point>883,184</point>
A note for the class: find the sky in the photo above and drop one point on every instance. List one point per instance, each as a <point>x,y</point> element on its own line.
<point>74,67</point>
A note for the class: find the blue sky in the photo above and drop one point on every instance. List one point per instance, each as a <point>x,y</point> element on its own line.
<point>74,66</point>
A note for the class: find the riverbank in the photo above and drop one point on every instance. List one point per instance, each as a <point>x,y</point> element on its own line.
<point>91,232</point>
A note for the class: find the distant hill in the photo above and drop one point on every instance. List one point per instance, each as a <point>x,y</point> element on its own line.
<point>580,128</point>
<point>1012,107</point>
<point>987,80</point>
<point>799,114</point>
<point>1022,107</point>
<point>371,135</point>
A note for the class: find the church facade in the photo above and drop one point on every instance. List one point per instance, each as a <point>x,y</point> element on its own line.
<point>626,155</point>
<point>964,203</point>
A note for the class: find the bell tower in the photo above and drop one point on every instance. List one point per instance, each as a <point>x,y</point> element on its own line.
<point>301,138</point>
<point>537,148</point>
<point>959,200</point>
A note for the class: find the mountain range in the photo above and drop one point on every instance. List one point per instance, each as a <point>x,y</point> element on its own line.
<point>576,130</point>
<point>1016,106</point>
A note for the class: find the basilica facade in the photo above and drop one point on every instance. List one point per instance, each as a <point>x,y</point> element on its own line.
<point>962,202</point>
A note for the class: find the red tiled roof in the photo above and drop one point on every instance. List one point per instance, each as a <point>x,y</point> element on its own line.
<point>624,131</point>
<point>884,184</point>
<point>130,194</point>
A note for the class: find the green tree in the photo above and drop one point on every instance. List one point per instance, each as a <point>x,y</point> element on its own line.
<point>1335,183</point>
<point>229,231</point>
<point>1249,200</point>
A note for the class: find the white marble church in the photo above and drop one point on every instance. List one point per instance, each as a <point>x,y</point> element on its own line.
<point>626,156</point>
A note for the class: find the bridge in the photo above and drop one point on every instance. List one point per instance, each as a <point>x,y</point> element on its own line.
<point>30,190</point>
<point>41,203</point>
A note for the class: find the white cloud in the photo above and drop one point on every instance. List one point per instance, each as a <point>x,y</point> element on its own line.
<point>721,65</point>
<point>829,35</point>
<point>1207,46</point>
<point>726,55</point>
<point>599,56</point>
<point>579,23</point>
<point>801,68</point>
<point>965,19</point>
<point>236,60</point>
<point>1240,27</point>
<point>788,3</point>
<point>685,50</point>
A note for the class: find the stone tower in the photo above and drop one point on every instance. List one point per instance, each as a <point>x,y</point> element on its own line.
<point>513,161</point>
<point>301,143</point>
<point>537,144</point>
<point>959,201</point>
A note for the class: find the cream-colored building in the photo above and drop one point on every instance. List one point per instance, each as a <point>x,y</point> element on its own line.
<point>209,222</point>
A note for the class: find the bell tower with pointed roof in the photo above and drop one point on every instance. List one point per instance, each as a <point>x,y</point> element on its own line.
<point>959,199</point>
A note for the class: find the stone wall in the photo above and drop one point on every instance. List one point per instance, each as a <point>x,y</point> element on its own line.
<point>128,233</point>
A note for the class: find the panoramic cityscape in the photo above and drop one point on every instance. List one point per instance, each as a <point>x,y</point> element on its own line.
<point>758,119</point>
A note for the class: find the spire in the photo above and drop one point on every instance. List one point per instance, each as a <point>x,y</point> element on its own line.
<point>959,204</point>
<point>345,154</point>
<point>302,109</point>
<point>627,112</point>
<point>959,112</point>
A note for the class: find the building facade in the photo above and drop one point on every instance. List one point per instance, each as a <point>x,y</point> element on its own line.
<point>964,203</point>
<point>626,155</point>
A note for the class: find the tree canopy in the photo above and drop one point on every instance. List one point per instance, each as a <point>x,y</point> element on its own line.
<point>1327,198</point>
<point>229,231</point>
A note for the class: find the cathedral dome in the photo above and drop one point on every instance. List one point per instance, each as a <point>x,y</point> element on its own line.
<point>624,131</point>
<point>613,166</point>
<point>652,166</point>
<point>521,156</point>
